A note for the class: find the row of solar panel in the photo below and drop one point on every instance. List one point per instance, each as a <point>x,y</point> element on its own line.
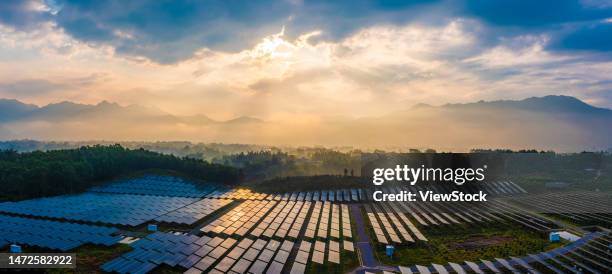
<point>52,234</point>
<point>378,217</point>
<point>241,219</point>
<point>343,195</point>
<point>389,220</point>
<point>282,219</point>
<point>577,206</point>
<point>346,195</point>
<point>333,251</point>
<point>436,213</point>
<point>193,212</point>
<point>322,225</point>
<point>589,256</point>
<point>285,219</point>
<point>236,194</point>
<point>124,209</point>
<point>157,186</point>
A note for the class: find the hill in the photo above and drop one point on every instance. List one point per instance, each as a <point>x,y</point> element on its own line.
<point>560,123</point>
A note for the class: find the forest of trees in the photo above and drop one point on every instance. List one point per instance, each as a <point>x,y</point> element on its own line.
<point>265,165</point>
<point>54,172</point>
<point>308,183</point>
<point>531,168</point>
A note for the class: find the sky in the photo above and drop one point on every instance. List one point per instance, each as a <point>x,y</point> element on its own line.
<point>293,59</point>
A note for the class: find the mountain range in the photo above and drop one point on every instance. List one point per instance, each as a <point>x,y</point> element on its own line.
<point>551,122</point>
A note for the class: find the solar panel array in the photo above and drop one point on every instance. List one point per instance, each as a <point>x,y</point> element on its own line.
<point>582,207</point>
<point>502,188</point>
<point>341,195</point>
<point>319,252</point>
<point>203,254</point>
<point>156,186</point>
<point>285,219</point>
<point>241,219</point>
<point>237,194</point>
<point>588,255</point>
<point>156,249</point>
<point>124,209</point>
<point>277,220</point>
<point>390,220</point>
<point>194,212</point>
<point>52,234</point>
<point>322,225</point>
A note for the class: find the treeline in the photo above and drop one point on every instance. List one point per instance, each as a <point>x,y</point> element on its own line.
<point>47,173</point>
<point>265,165</point>
<point>308,183</point>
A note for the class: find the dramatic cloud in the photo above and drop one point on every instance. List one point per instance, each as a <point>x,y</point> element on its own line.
<point>304,59</point>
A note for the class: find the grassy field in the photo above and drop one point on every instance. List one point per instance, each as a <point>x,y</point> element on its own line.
<point>91,257</point>
<point>459,243</point>
<point>348,262</point>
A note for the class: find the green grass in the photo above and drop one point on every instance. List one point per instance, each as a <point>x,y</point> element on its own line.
<point>460,243</point>
<point>91,257</point>
<point>348,262</point>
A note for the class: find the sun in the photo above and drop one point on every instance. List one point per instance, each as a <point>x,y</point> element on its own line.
<point>273,46</point>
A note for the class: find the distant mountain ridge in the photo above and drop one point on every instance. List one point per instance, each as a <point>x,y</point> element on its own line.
<point>549,103</point>
<point>12,110</point>
<point>560,123</point>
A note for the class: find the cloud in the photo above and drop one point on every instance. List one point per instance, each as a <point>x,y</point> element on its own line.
<point>377,65</point>
<point>29,87</point>
<point>24,14</point>
<point>43,87</point>
<point>168,32</point>
<point>172,31</point>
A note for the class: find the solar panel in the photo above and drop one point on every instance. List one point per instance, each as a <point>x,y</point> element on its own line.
<point>333,257</point>
<point>251,254</point>
<point>217,252</point>
<point>491,266</point>
<point>287,245</point>
<point>302,256</point>
<point>405,270</point>
<point>507,265</point>
<point>53,234</point>
<point>225,264</point>
<point>156,186</point>
<point>266,255</point>
<point>319,246</point>
<point>241,266</point>
<point>124,209</point>
<point>281,256</point>
<point>275,268</point>
<point>440,268</point>
<point>522,263</point>
<point>298,268</point>
<point>474,267</point>
<point>193,212</point>
<point>304,245</point>
<point>258,267</point>
<point>348,246</point>
<point>334,246</point>
<point>317,257</point>
<point>457,268</point>
<point>423,269</point>
<point>205,263</point>
<point>236,253</point>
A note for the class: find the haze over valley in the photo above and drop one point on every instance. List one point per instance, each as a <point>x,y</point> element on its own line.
<point>558,123</point>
